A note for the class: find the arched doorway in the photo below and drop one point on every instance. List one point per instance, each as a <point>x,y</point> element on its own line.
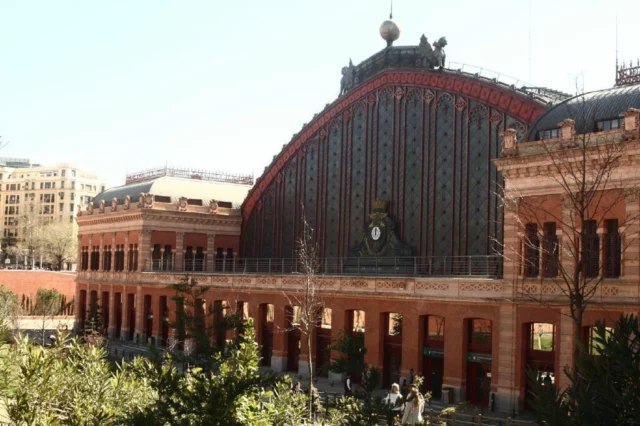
<point>433,354</point>
<point>392,347</point>
<point>540,356</point>
<point>356,327</point>
<point>163,311</point>
<point>267,318</point>
<point>293,337</point>
<point>479,361</point>
<point>220,325</point>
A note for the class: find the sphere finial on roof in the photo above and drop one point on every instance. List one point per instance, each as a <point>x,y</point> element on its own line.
<point>389,31</point>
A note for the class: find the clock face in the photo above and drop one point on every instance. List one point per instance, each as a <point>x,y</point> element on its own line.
<point>375,233</point>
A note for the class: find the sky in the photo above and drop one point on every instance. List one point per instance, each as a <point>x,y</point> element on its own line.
<point>120,86</point>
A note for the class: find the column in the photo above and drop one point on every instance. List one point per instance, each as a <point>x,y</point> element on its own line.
<point>79,254</point>
<point>101,260</point>
<point>455,349</point>
<point>338,325</point>
<point>567,243</point>
<point>79,320</point>
<point>90,257</point>
<point>211,252</point>
<point>144,247</point>
<point>113,251</point>
<point>279,354</point>
<point>179,254</point>
<point>124,331</point>
<point>126,252</point>
<point>512,246</point>
<point>508,392</point>
<point>565,345</point>
<point>373,338</point>
<point>142,338</point>
<point>162,264</point>
<point>411,343</point>
<point>631,254</point>
<point>112,312</point>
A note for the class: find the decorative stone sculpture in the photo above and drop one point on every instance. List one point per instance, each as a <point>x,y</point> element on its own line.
<point>213,207</point>
<point>90,207</point>
<point>114,204</point>
<point>567,133</point>
<point>182,204</point>
<point>127,202</point>
<point>101,206</point>
<point>631,124</point>
<point>432,58</point>
<point>509,143</point>
<point>145,200</point>
<point>348,78</point>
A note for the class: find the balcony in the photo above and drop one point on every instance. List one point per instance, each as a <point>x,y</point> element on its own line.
<point>440,266</point>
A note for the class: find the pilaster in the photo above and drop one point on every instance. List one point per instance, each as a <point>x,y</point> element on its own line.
<point>179,254</point>
<point>144,248</point>
<point>100,256</point>
<point>112,312</point>
<point>211,253</point>
<point>113,251</point>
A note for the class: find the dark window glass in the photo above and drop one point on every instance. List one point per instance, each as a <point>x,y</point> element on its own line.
<point>531,251</point>
<point>591,249</point>
<point>612,249</point>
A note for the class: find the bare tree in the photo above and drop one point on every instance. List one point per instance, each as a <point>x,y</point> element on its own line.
<point>59,242</point>
<point>583,188</point>
<point>308,300</point>
<point>48,305</point>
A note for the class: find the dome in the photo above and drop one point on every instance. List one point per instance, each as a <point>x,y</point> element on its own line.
<point>588,109</point>
<point>389,31</point>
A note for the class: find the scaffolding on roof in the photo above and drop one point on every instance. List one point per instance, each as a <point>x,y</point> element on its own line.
<point>196,174</point>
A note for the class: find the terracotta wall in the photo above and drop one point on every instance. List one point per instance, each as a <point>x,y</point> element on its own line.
<point>28,282</point>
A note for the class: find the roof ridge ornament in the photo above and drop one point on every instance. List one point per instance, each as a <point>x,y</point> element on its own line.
<point>432,57</point>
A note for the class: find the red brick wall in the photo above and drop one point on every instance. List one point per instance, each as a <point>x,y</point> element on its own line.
<point>28,282</point>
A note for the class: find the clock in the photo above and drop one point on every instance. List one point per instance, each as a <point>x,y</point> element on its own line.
<point>375,233</point>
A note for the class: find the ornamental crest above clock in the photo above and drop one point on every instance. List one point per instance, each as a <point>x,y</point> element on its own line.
<point>379,239</point>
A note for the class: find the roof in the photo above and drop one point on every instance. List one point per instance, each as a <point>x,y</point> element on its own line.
<point>589,108</point>
<point>175,188</point>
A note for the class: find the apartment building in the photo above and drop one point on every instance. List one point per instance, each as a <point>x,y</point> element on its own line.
<point>55,192</point>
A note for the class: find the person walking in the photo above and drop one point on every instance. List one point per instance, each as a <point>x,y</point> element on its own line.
<point>413,407</point>
<point>396,403</point>
<point>347,385</point>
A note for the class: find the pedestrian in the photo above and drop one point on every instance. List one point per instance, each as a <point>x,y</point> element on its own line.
<point>413,407</point>
<point>296,388</point>
<point>396,404</point>
<point>410,377</point>
<point>404,390</point>
<point>347,385</point>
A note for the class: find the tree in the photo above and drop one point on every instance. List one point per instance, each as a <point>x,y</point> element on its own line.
<point>607,389</point>
<point>70,384</point>
<point>59,242</point>
<point>9,309</point>
<point>309,301</point>
<point>584,184</point>
<point>351,351</point>
<point>48,304</point>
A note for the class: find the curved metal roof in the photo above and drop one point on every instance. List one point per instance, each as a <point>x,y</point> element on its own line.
<point>587,109</point>
<point>179,187</point>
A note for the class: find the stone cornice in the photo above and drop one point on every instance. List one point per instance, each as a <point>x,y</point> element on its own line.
<point>159,215</point>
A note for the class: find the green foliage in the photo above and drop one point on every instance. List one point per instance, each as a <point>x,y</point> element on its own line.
<point>48,302</point>
<point>8,311</point>
<point>71,384</point>
<point>277,407</point>
<point>352,351</point>
<point>605,389</point>
<point>364,409</point>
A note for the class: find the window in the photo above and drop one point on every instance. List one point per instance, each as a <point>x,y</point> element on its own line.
<point>606,125</point>
<point>73,184</point>
<point>62,184</point>
<point>592,249</point>
<point>549,134</point>
<point>72,196</point>
<point>61,196</point>
<point>612,247</point>
<point>71,219</point>
<point>541,337</point>
<point>63,173</point>
<point>435,327</point>
<point>61,207</point>
<point>480,332</point>
<point>531,251</point>
<point>551,251</point>
<point>73,173</point>
<point>71,206</point>
<point>595,339</point>
<point>33,185</point>
<point>53,185</point>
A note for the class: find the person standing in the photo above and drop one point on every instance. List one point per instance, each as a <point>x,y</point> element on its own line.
<point>410,377</point>
<point>413,407</point>
<point>396,403</point>
<point>347,385</point>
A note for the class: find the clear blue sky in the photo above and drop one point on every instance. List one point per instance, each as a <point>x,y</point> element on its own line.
<point>118,86</point>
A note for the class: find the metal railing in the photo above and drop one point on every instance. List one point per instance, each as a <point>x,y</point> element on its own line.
<point>435,266</point>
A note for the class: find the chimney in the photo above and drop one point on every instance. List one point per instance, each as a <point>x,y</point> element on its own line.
<point>631,124</point>
<point>509,143</point>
